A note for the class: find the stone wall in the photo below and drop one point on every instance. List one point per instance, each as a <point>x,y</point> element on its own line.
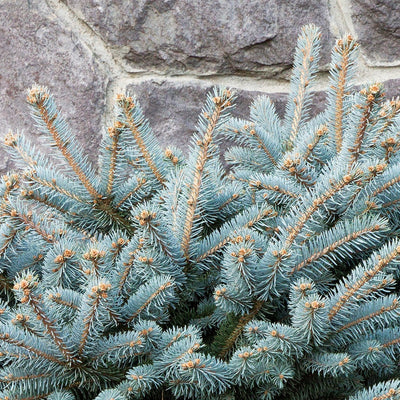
<point>169,52</point>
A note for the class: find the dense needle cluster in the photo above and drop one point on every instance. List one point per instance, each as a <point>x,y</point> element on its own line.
<point>161,276</point>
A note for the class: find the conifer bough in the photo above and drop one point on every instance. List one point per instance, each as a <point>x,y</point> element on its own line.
<point>167,277</point>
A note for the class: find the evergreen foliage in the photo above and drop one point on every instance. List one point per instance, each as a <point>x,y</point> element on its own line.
<point>160,276</point>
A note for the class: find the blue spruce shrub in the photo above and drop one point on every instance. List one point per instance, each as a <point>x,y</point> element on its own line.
<point>160,276</point>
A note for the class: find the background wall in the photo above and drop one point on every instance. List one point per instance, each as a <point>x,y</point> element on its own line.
<point>170,52</point>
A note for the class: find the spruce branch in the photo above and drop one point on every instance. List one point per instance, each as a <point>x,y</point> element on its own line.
<point>50,120</point>
<point>204,144</point>
<point>342,70</point>
<point>130,117</point>
<point>306,58</point>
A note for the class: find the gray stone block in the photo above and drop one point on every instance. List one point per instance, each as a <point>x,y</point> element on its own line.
<point>249,37</point>
<point>392,88</point>
<point>377,26</point>
<point>172,108</point>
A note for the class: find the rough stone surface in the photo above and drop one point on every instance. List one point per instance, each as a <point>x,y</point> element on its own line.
<point>392,87</point>
<point>35,47</point>
<point>172,108</point>
<point>377,25</point>
<point>204,36</point>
